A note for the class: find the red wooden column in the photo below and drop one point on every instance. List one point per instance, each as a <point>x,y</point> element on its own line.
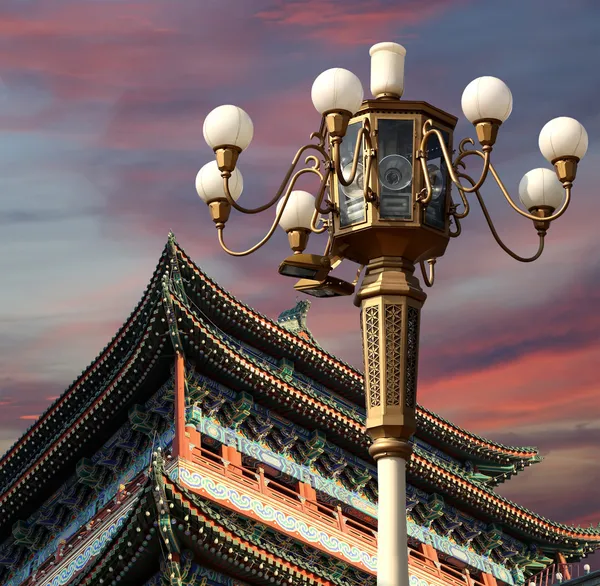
<point>180,444</point>
<point>563,567</point>
<point>430,553</point>
<point>234,457</point>
<point>309,493</point>
<point>488,579</point>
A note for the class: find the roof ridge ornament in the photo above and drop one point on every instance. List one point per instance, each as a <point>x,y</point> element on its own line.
<point>295,320</point>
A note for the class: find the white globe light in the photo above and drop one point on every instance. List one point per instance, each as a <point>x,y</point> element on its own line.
<point>337,89</point>
<point>228,126</point>
<point>541,187</point>
<point>486,98</point>
<point>563,137</point>
<point>298,211</point>
<point>209,183</point>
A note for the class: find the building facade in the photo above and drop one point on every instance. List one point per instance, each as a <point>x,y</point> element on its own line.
<point>209,445</point>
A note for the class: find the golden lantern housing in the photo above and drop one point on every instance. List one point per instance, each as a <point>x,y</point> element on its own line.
<point>391,220</point>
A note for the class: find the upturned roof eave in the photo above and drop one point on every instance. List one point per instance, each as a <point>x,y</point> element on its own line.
<point>507,453</point>
<point>131,321</point>
<point>105,391</point>
<point>453,478</point>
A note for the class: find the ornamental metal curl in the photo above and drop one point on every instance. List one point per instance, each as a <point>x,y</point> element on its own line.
<point>279,213</point>
<point>475,185</point>
<point>495,234</point>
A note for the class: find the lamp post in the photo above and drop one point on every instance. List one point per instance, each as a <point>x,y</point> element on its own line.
<point>385,169</point>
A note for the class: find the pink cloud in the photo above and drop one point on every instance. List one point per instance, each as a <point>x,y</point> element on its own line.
<point>29,417</point>
<point>356,24</point>
<point>96,51</point>
<point>534,388</point>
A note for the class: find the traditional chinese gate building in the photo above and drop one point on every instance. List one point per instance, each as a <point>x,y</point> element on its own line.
<point>207,444</point>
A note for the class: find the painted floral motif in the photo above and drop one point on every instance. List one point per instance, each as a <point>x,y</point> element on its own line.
<point>269,514</point>
<point>92,550</point>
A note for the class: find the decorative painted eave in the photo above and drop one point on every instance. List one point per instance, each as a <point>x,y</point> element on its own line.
<point>62,413</point>
<point>133,543</point>
<point>455,483</point>
<point>243,529</point>
<point>103,401</point>
<point>490,504</point>
<point>349,379</point>
<point>141,539</point>
<point>69,563</point>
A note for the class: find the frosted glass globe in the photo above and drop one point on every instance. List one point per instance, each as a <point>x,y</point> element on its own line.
<point>486,98</point>
<point>209,183</point>
<point>387,69</point>
<point>337,89</point>
<point>228,126</point>
<point>563,137</point>
<point>298,211</point>
<point>541,187</point>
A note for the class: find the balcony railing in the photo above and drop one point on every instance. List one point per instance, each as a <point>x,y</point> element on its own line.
<point>257,481</point>
<point>549,576</point>
<point>432,570</point>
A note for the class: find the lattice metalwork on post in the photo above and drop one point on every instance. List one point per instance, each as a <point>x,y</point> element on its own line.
<point>393,353</point>
<point>371,327</point>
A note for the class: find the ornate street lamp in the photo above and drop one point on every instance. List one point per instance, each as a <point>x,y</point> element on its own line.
<point>385,170</point>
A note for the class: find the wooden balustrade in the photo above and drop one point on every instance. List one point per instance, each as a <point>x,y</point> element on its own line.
<point>321,512</point>
<point>326,514</point>
<point>440,571</point>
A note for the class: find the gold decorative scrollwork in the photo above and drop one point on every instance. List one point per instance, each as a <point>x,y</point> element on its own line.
<point>459,177</point>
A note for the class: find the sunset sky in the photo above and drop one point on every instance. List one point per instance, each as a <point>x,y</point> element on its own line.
<point>101,112</point>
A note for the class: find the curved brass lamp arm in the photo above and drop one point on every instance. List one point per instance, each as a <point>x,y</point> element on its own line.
<point>357,277</point>
<point>278,215</point>
<point>317,147</point>
<point>513,205</point>
<point>495,233</point>
<point>321,196</point>
<point>364,133</point>
<point>318,202</point>
<point>428,131</point>
<point>321,134</point>
<point>428,279</point>
<point>465,203</point>
<point>458,230</point>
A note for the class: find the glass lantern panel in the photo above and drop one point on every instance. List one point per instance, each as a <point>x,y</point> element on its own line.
<point>435,214</point>
<point>395,161</point>
<point>351,200</point>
